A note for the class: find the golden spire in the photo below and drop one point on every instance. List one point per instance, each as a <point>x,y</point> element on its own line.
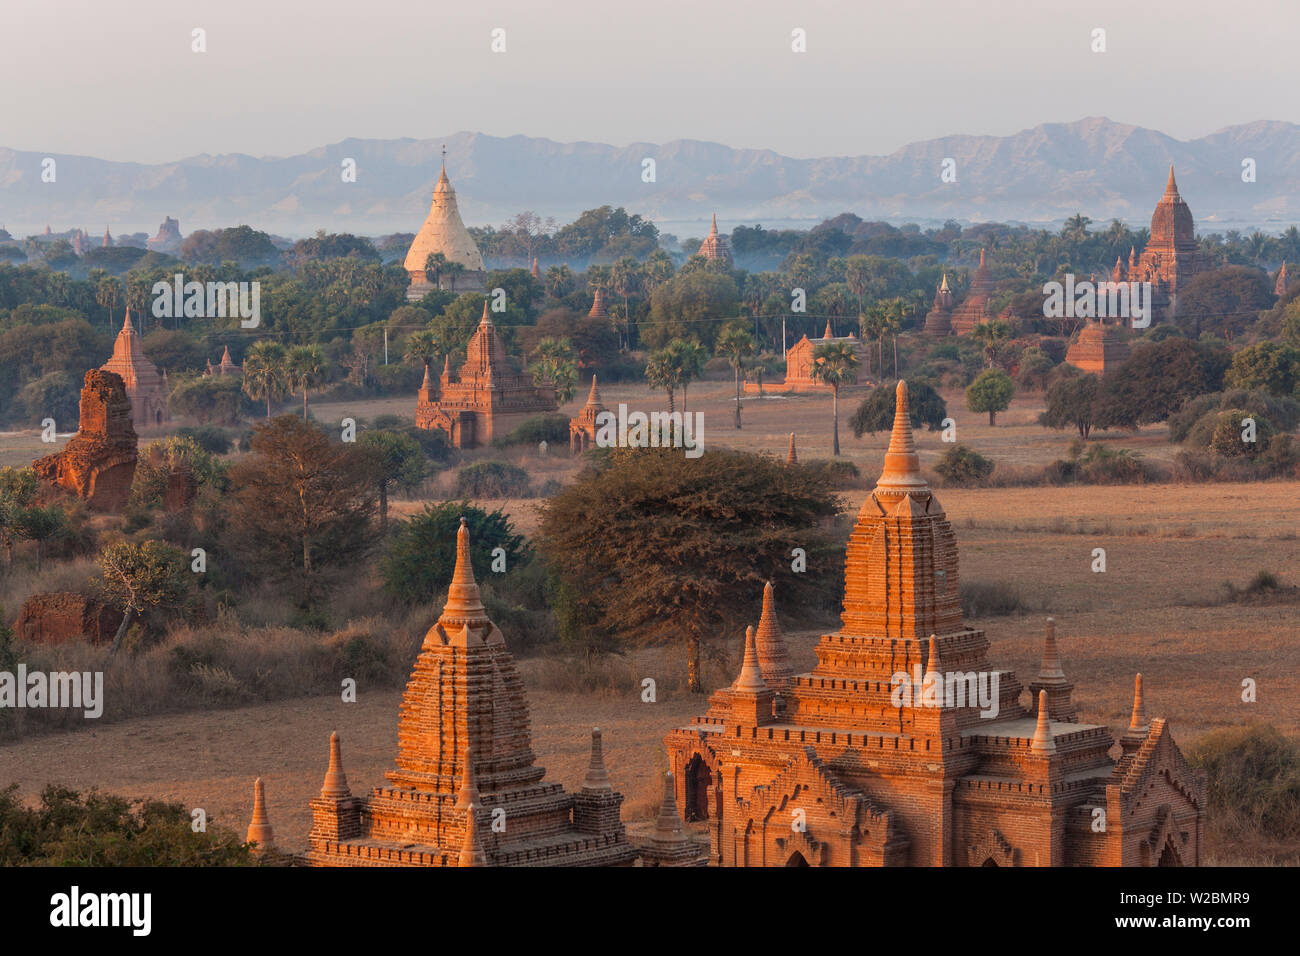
<point>902,470</point>
<point>336,783</point>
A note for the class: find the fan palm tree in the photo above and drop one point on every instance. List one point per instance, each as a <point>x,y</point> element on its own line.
<point>424,345</point>
<point>664,370</point>
<point>306,368</point>
<point>735,342</point>
<point>266,377</point>
<point>555,365</point>
<point>693,356</point>
<point>835,364</point>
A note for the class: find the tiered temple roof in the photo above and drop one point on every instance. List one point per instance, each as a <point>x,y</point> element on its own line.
<point>976,308</point>
<point>144,386</point>
<point>466,790</point>
<point>487,397</point>
<point>715,247</point>
<point>904,745</point>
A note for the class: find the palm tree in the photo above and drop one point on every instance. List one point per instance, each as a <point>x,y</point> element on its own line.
<point>434,266</point>
<point>874,326</point>
<point>559,281</point>
<point>306,366</point>
<point>664,370</point>
<point>555,365</point>
<point>835,364</point>
<point>735,342</point>
<point>266,377</point>
<point>424,346</point>
<point>693,356</point>
<point>896,310</point>
<point>625,278</point>
<point>107,292</point>
<point>453,269</point>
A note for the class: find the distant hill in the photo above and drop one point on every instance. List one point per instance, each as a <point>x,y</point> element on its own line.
<point>1044,174</point>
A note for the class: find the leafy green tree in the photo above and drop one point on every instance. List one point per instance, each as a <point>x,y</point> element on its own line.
<point>17,490</point>
<point>663,370</point>
<point>705,532</point>
<point>1159,376</point>
<point>208,398</point>
<point>423,555</point>
<point>398,462</point>
<point>39,525</point>
<point>691,357</point>
<point>990,392</point>
<point>834,364</point>
<point>1079,401</point>
<point>736,343</point>
<point>687,306</point>
<point>554,365</point>
<point>1268,366</point>
<point>159,460</point>
<point>925,406</point>
<point>138,577</point>
<point>963,467</point>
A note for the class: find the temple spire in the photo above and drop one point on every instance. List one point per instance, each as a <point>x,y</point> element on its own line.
<point>902,470</point>
<point>792,456</point>
<point>713,230</point>
<point>597,777</point>
<point>943,286</point>
<point>769,644</point>
<point>932,662</point>
<point>668,825</point>
<point>259,828</point>
<point>485,322</point>
<point>593,397</point>
<point>828,334</point>
<point>468,801</point>
<point>463,598</point>
<point>1139,719</point>
<point>751,676</point>
<point>1171,188</point>
<point>1043,741</point>
<point>336,783</point>
<point>1050,670</point>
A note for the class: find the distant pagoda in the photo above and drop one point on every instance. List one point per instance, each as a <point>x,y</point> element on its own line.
<point>144,386</point>
<point>938,321</point>
<point>976,308</point>
<point>715,247</point>
<point>444,232</point>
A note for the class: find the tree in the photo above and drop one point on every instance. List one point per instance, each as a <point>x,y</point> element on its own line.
<point>555,365</point>
<point>39,525</point>
<point>990,392</point>
<point>559,281</point>
<point>691,358</point>
<point>138,577</point>
<point>663,370</point>
<point>266,373</point>
<point>681,546</point>
<point>435,264</point>
<point>301,503</point>
<point>1224,302</point>
<point>925,406</point>
<point>306,367</point>
<point>735,342</point>
<point>990,334</point>
<point>1079,401</point>
<point>1158,377</point>
<point>687,306</point>
<point>17,490</point>
<point>397,460</point>
<point>1268,366</point>
<point>834,364</point>
<point>423,554</point>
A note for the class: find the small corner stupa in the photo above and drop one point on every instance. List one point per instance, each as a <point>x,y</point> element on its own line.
<point>444,232</point>
<point>582,427</point>
<point>466,790</point>
<point>488,397</point>
<point>144,386</point>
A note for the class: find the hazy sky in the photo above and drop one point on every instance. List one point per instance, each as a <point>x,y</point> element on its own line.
<point>118,80</point>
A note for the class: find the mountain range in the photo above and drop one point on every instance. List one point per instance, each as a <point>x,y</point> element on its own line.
<point>1041,175</point>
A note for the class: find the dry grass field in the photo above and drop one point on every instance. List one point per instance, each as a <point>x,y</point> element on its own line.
<point>1158,608</point>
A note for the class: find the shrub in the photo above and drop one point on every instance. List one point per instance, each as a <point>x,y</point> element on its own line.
<point>1253,781</point>
<point>963,467</point>
<point>493,479</point>
<point>552,429</point>
<point>215,441</point>
<point>423,555</point>
<point>990,599</point>
<point>876,412</point>
<point>1221,432</point>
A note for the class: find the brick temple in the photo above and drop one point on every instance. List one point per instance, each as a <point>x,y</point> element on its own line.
<point>98,463</point>
<point>977,307</point>
<point>1100,348</point>
<point>715,247</point>
<point>146,389</point>
<point>466,791</point>
<point>938,321</point>
<point>487,398</point>
<point>847,765</point>
<point>1171,257</point>
<point>799,363</point>
<point>582,427</point>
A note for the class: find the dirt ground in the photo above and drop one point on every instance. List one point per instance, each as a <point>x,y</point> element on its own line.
<point>1169,549</point>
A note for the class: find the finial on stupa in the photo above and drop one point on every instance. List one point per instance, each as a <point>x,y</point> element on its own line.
<point>1043,740</point>
<point>943,286</point>
<point>463,597</point>
<point>468,802</point>
<point>446,364</point>
<point>981,257</point>
<point>336,782</point>
<point>597,777</point>
<point>932,663</point>
<point>426,384</point>
<point>593,397</point>
<point>713,230</point>
<point>126,322</point>
<point>1139,719</point>
<point>668,824</point>
<point>902,471</point>
<point>485,322</point>
<point>791,456</point>
<point>259,828</point>
<point>828,334</point>
<point>751,675</point>
<point>1051,666</point>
